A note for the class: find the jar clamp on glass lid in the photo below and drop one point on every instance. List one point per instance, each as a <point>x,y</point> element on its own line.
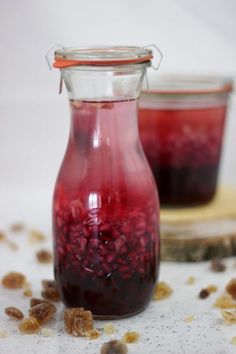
<point>105,204</point>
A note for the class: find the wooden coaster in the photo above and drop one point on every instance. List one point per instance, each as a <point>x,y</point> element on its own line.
<point>200,233</point>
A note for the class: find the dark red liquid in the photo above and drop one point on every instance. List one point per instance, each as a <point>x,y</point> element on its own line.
<point>105,214</point>
<point>183,147</point>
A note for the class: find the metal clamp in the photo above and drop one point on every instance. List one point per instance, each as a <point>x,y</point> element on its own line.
<point>49,52</point>
<point>49,62</point>
<point>156,67</point>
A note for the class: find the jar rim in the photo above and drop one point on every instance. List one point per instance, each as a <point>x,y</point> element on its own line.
<point>181,85</point>
<point>101,56</point>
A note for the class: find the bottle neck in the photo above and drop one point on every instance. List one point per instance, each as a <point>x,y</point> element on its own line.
<point>104,104</point>
<point>106,125</point>
<point>112,83</point>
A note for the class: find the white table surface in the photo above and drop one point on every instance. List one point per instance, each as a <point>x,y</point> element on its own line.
<point>161,326</point>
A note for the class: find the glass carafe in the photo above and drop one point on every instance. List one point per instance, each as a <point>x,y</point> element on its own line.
<point>105,205</point>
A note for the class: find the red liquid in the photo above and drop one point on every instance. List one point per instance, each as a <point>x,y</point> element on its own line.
<point>105,213</point>
<point>183,147</point>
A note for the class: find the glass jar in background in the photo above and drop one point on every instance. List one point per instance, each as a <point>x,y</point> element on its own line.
<point>105,205</point>
<point>182,122</point>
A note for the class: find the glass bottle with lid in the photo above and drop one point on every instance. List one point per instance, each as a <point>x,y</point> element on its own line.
<point>182,121</point>
<point>105,204</point>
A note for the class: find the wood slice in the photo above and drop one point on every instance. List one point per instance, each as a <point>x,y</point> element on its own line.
<point>200,233</point>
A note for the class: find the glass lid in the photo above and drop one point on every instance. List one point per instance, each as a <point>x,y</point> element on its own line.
<point>189,85</point>
<point>104,55</point>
